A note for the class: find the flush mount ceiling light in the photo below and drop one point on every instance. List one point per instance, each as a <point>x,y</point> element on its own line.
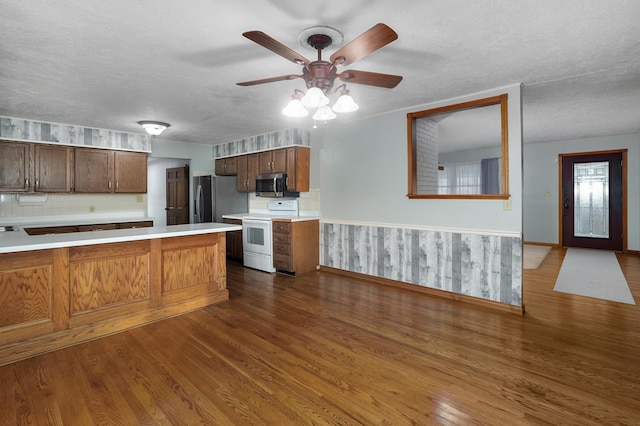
<point>320,75</point>
<point>154,128</point>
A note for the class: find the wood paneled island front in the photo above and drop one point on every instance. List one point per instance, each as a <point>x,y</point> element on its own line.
<point>60,290</point>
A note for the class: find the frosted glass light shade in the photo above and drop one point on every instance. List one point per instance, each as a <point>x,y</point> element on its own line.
<point>345,103</point>
<point>324,113</point>
<point>154,128</point>
<point>295,109</point>
<point>314,98</point>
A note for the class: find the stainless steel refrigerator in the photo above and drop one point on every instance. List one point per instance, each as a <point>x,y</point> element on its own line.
<point>214,196</point>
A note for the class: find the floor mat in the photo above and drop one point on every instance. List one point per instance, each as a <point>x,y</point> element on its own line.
<point>593,273</point>
<point>533,255</point>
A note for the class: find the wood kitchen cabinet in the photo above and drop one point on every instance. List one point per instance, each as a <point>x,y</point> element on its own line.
<point>298,164</point>
<point>293,160</point>
<point>226,166</point>
<point>247,172</point>
<point>26,167</point>
<point>104,171</point>
<point>15,166</point>
<point>130,169</point>
<point>274,161</point>
<point>53,170</point>
<point>234,241</point>
<point>296,245</point>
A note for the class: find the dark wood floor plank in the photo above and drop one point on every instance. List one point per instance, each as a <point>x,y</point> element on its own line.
<point>324,348</point>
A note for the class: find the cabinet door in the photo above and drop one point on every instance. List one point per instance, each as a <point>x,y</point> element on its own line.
<point>247,172</point>
<point>53,168</point>
<point>93,170</point>
<point>130,172</point>
<point>279,161</point>
<point>243,176</point>
<point>252,172</point>
<point>264,162</point>
<point>226,166</point>
<point>298,169</point>
<point>14,166</point>
<point>234,241</point>
<point>220,164</point>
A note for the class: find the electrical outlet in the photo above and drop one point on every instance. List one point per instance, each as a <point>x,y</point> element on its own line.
<point>138,198</point>
<point>506,205</point>
<point>92,209</point>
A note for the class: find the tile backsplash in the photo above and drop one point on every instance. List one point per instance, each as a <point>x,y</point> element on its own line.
<point>61,206</point>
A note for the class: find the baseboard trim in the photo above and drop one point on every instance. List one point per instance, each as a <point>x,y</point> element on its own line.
<point>430,291</point>
<point>535,243</point>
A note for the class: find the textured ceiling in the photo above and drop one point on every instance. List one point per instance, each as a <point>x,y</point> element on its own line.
<point>109,64</point>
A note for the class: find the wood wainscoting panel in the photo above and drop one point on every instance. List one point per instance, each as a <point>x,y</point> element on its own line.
<point>108,275</point>
<point>25,294</point>
<point>193,266</point>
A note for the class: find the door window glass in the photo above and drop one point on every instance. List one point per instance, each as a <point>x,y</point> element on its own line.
<point>591,199</point>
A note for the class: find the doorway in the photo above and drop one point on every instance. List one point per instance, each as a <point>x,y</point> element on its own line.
<point>593,200</point>
<point>177,208</point>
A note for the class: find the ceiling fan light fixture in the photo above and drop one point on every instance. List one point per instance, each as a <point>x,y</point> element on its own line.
<point>314,98</point>
<point>295,109</point>
<point>345,102</point>
<point>324,113</point>
<point>154,128</point>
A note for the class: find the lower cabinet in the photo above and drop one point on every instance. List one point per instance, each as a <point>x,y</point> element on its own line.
<point>58,297</point>
<point>234,241</point>
<point>296,245</point>
<point>91,227</point>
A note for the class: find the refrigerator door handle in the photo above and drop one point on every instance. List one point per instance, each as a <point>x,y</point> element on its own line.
<point>199,195</point>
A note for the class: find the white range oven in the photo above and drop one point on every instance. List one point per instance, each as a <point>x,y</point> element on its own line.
<point>257,233</point>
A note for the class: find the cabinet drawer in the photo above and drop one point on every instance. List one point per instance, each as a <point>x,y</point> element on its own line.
<point>280,239</point>
<point>282,227</point>
<point>282,262</point>
<point>281,249</point>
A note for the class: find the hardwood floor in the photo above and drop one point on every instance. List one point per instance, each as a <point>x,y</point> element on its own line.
<point>326,349</point>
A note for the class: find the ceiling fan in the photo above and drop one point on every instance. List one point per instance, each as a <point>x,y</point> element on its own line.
<point>321,74</point>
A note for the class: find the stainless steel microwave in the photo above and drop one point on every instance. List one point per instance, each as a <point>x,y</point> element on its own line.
<point>273,185</point>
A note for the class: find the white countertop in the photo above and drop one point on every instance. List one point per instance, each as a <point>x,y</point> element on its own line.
<point>18,241</point>
<point>269,216</point>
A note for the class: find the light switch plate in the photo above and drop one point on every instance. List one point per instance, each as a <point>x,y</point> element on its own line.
<point>506,205</point>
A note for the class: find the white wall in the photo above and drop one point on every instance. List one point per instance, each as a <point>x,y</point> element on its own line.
<point>157,187</point>
<point>363,176</point>
<point>541,220</point>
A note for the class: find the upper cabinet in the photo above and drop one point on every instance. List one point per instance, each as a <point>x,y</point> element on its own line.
<point>53,168</point>
<point>247,172</point>
<point>14,167</point>
<point>26,167</point>
<point>272,161</point>
<point>293,160</point>
<point>93,170</point>
<point>130,172</point>
<point>226,166</point>
<point>298,168</point>
<point>104,171</point>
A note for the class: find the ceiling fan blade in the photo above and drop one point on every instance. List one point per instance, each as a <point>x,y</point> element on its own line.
<point>275,46</point>
<point>269,80</point>
<point>370,78</point>
<point>371,40</point>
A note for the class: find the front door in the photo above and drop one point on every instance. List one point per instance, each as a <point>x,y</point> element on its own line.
<point>592,200</point>
<point>177,206</point>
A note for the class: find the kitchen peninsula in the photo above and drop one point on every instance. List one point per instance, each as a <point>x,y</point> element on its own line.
<point>57,290</point>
